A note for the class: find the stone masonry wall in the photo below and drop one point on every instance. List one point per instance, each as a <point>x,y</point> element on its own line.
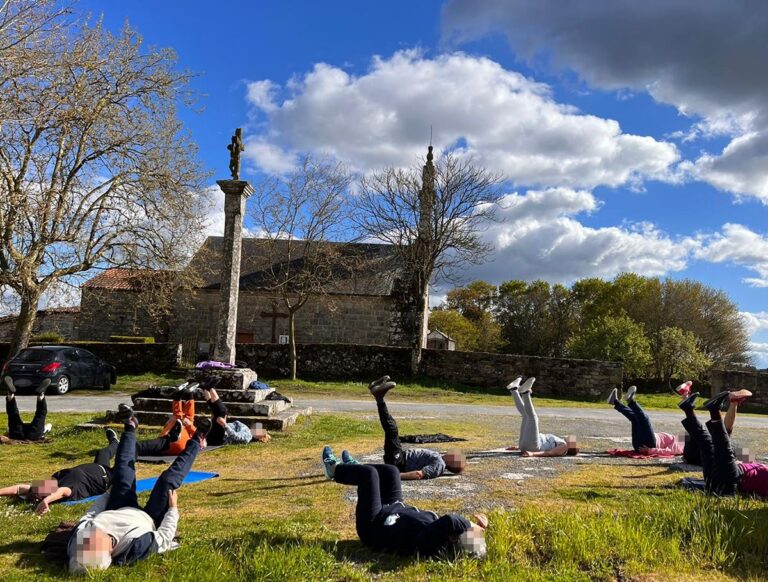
<point>554,377</point>
<point>65,324</point>
<point>104,313</point>
<point>127,358</point>
<point>338,319</point>
<point>756,382</point>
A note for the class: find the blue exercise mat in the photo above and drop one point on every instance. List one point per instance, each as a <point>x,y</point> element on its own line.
<point>147,485</point>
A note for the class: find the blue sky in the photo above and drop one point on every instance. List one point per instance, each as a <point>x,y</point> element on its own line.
<point>634,135</point>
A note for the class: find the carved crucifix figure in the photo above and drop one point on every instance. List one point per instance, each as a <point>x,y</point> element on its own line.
<point>274,315</point>
<point>235,148</point>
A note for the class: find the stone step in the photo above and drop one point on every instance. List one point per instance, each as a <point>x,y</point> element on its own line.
<point>262,408</point>
<point>278,422</point>
<point>225,395</point>
<point>231,379</point>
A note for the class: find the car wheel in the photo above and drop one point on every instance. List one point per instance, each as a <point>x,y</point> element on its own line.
<point>62,385</point>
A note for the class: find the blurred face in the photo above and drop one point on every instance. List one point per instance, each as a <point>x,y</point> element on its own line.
<point>94,549</point>
<point>258,432</point>
<point>455,461</point>
<point>41,489</point>
<point>743,455</point>
<point>573,446</point>
<point>472,542</point>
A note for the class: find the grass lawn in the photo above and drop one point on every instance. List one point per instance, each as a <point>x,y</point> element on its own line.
<point>271,515</point>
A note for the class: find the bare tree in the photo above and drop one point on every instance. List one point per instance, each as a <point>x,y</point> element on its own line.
<point>95,169</point>
<point>433,223</point>
<point>300,216</point>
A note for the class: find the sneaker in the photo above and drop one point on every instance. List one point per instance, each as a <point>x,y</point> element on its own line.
<point>613,397</point>
<point>631,391</point>
<point>684,390</point>
<point>111,435</point>
<point>527,385</point>
<point>348,459</point>
<point>329,462</point>
<point>9,385</point>
<point>739,396</point>
<point>689,402</point>
<point>716,402</point>
<point>47,428</point>
<point>124,412</point>
<point>40,390</point>
<point>175,433</point>
<point>380,390</point>
<point>132,422</point>
<point>375,383</point>
<point>209,383</point>
<point>514,384</point>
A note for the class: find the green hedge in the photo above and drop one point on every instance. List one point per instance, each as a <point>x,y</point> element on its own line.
<point>131,339</point>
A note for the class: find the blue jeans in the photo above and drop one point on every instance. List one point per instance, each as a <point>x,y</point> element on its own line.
<point>123,492</point>
<point>642,430</point>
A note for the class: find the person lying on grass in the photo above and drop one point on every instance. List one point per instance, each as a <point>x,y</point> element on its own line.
<point>229,433</point>
<point>644,439</point>
<point>116,530</point>
<point>691,450</point>
<point>532,443</point>
<point>26,431</point>
<point>80,482</point>
<point>412,463</point>
<point>723,473</point>
<point>385,523</point>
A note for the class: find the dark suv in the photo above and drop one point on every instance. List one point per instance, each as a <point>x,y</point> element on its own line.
<point>65,366</point>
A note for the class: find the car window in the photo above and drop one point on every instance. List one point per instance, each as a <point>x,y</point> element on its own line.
<point>87,357</point>
<point>72,355</point>
<point>30,355</point>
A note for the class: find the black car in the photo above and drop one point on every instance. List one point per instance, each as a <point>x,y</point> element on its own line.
<point>67,367</point>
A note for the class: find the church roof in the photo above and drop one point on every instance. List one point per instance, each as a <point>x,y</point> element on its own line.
<point>123,279</point>
<point>377,266</point>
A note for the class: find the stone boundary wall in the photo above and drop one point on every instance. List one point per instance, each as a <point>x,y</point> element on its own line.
<point>554,377</point>
<point>327,361</point>
<point>127,358</point>
<point>756,382</point>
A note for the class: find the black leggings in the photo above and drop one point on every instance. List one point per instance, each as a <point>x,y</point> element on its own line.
<point>32,431</point>
<point>217,434</point>
<point>377,486</point>
<point>718,462</point>
<point>393,450</point>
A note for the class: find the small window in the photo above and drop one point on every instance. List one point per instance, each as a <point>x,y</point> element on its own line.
<point>72,355</point>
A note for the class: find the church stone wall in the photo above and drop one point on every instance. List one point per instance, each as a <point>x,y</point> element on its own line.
<point>104,313</point>
<point>344,319</point>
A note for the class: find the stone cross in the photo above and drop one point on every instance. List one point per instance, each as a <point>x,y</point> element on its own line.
<point>274,315</point>
<point>235,148</point>
<point>235,193</point>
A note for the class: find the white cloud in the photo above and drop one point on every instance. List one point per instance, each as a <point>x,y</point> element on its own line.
<point>506,121</point>
<point>706,61</point>
<point>755,322</point>
<point>759,353</point>
<point>539,238</point>
<point>740,245</point>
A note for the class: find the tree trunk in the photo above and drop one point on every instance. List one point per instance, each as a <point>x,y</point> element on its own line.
<point>292,342</point>
<point>27,314</point>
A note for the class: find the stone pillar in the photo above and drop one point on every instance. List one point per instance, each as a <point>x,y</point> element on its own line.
<point>235,194</point>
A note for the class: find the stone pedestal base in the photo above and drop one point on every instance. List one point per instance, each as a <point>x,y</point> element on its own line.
<point>234,379</point>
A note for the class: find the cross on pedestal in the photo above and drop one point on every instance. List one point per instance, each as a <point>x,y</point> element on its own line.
<point>274,315</point>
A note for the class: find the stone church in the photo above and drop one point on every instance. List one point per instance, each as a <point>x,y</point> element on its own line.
<point>361,306</point>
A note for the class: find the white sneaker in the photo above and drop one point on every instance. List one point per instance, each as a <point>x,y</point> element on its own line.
<point>47,428</point>
<point>613,397</point>
<point>514,384</point>
<point>527,385</point>
<point>631,394</point>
